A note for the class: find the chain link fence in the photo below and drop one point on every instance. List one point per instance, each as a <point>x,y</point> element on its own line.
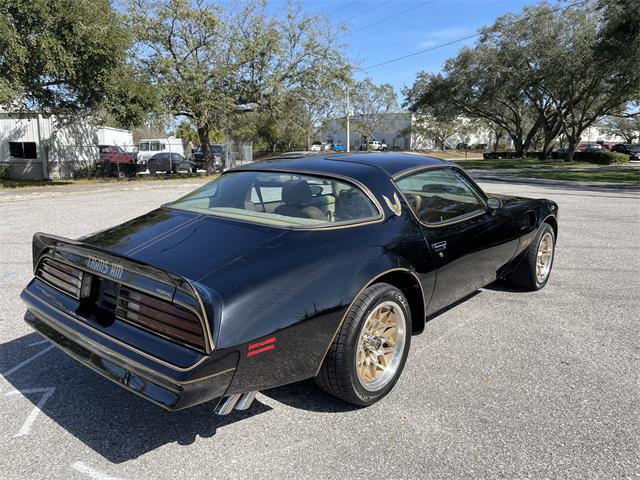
<point>237,154</point>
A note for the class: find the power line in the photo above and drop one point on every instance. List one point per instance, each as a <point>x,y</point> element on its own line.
<point>342,8</point>
<point>389,18</point>
<point>366,11</point>
<point>435,47</point>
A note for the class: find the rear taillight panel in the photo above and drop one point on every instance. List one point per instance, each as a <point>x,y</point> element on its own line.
<point>101,298</point>
<point>62,276</point>
<point>160,316</point>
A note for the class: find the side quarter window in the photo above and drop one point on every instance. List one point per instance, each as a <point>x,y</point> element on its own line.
<point>440,195</point>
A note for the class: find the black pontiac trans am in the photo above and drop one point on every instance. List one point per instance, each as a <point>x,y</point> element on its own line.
<point>321,266</point>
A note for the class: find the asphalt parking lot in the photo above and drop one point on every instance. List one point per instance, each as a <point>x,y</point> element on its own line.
<point>505,385</point>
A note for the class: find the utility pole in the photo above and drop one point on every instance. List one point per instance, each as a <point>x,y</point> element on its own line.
<point>348,121</point>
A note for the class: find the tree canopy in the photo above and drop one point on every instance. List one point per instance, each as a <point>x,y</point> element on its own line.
<point>546,72</point>
<point>59,56</point>
<point>370,102</point>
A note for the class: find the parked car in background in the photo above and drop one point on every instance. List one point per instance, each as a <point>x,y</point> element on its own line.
<point>561,150</point>
<point>170,163</point>
<point>114,161</point>
<point>338,147</point>
<point>630,149</point>
<point>219,155</point>
<point>377,146</point>
<point>319,147</point>
<point>589,147</point>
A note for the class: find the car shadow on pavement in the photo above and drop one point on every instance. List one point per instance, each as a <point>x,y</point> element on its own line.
<point>504,286</point>
<point>306,395</point>
<point>110,420</point>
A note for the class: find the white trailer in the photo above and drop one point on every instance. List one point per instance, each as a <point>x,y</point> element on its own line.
<point>148,147</point>
<point>115,136</point>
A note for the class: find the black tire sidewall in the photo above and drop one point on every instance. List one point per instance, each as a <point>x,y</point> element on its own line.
<point>533,255</point>
<point>389,293</point>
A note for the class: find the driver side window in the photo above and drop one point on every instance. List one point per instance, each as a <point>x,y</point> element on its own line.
<point>440,195</point>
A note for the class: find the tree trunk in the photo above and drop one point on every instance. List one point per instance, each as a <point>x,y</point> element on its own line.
<point>546,148</point>
<point>518,145</point>
<point>551,131</point>
<point>496,141</point>
<point>572,143</point>
<point>205,146</point>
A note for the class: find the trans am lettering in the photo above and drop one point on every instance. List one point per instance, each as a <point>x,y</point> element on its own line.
<point>106,268</point>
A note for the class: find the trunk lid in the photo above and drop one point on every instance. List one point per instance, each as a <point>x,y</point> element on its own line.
<point>187,244</point>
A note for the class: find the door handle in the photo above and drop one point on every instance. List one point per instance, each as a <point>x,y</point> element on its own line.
<point>439,246</point>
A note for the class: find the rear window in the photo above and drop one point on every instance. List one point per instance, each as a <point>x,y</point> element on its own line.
<point>281,199</point>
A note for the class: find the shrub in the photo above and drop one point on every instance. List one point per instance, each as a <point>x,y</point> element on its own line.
<point>5,172</point>
<point>601,157</point>
<point>85,171</point>
<point>497,155</point>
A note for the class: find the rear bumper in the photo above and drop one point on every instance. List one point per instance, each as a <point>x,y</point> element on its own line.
<point>185,390</point>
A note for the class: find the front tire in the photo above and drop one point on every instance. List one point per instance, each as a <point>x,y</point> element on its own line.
<point>368,354</point>
<point>535,267</point>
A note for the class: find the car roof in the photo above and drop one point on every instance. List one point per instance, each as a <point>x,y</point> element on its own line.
<point>346,164</point>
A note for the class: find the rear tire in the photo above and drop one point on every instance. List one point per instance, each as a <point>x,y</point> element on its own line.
<point>369,351</point>
<point>535,267</point>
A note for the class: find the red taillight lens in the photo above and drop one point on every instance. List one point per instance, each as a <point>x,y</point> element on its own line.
<point>62,276</point>
<point>159,316</point>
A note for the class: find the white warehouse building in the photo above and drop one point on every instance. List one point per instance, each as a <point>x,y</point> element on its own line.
<point>38,146</point>
<point>394,130</point>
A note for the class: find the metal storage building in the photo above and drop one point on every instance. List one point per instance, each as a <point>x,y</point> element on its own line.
<point>38,146</point>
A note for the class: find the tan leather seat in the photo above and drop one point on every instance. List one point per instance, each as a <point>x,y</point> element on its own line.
<point>296,196</point>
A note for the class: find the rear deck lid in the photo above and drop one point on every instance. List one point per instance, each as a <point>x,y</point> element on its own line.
<point>184,243</point>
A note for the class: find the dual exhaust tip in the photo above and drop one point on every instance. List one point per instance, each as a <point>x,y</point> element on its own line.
<point>238,401</point>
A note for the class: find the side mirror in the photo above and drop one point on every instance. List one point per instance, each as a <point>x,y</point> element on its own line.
<point>494,203</point>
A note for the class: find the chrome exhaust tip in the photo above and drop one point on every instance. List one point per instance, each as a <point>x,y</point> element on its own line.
<point>225,405</point>
<point>239,401</point>
<point>246,400</point>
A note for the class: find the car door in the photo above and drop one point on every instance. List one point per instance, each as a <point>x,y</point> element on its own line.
<point>469,242</point>
<point>165,162</point>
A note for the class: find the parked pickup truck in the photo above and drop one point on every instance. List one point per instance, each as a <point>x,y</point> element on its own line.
<point>114,161</point>
<point>218,151</point>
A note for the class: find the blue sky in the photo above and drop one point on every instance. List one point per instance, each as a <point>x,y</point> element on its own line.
<point>437,22</point>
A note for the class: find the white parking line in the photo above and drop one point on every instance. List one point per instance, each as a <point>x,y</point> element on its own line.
<point>92,472</point>
<point>26,362</point>
<point>28,423</point>
<point>38,343</point>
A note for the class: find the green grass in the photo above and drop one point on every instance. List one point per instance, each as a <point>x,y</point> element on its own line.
<point>496,164</point>
<point>98,181</point>
<point>618,175</point>
<point>453,155</point>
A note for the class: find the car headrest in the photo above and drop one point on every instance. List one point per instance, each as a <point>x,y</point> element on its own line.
<point>296,192</point>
